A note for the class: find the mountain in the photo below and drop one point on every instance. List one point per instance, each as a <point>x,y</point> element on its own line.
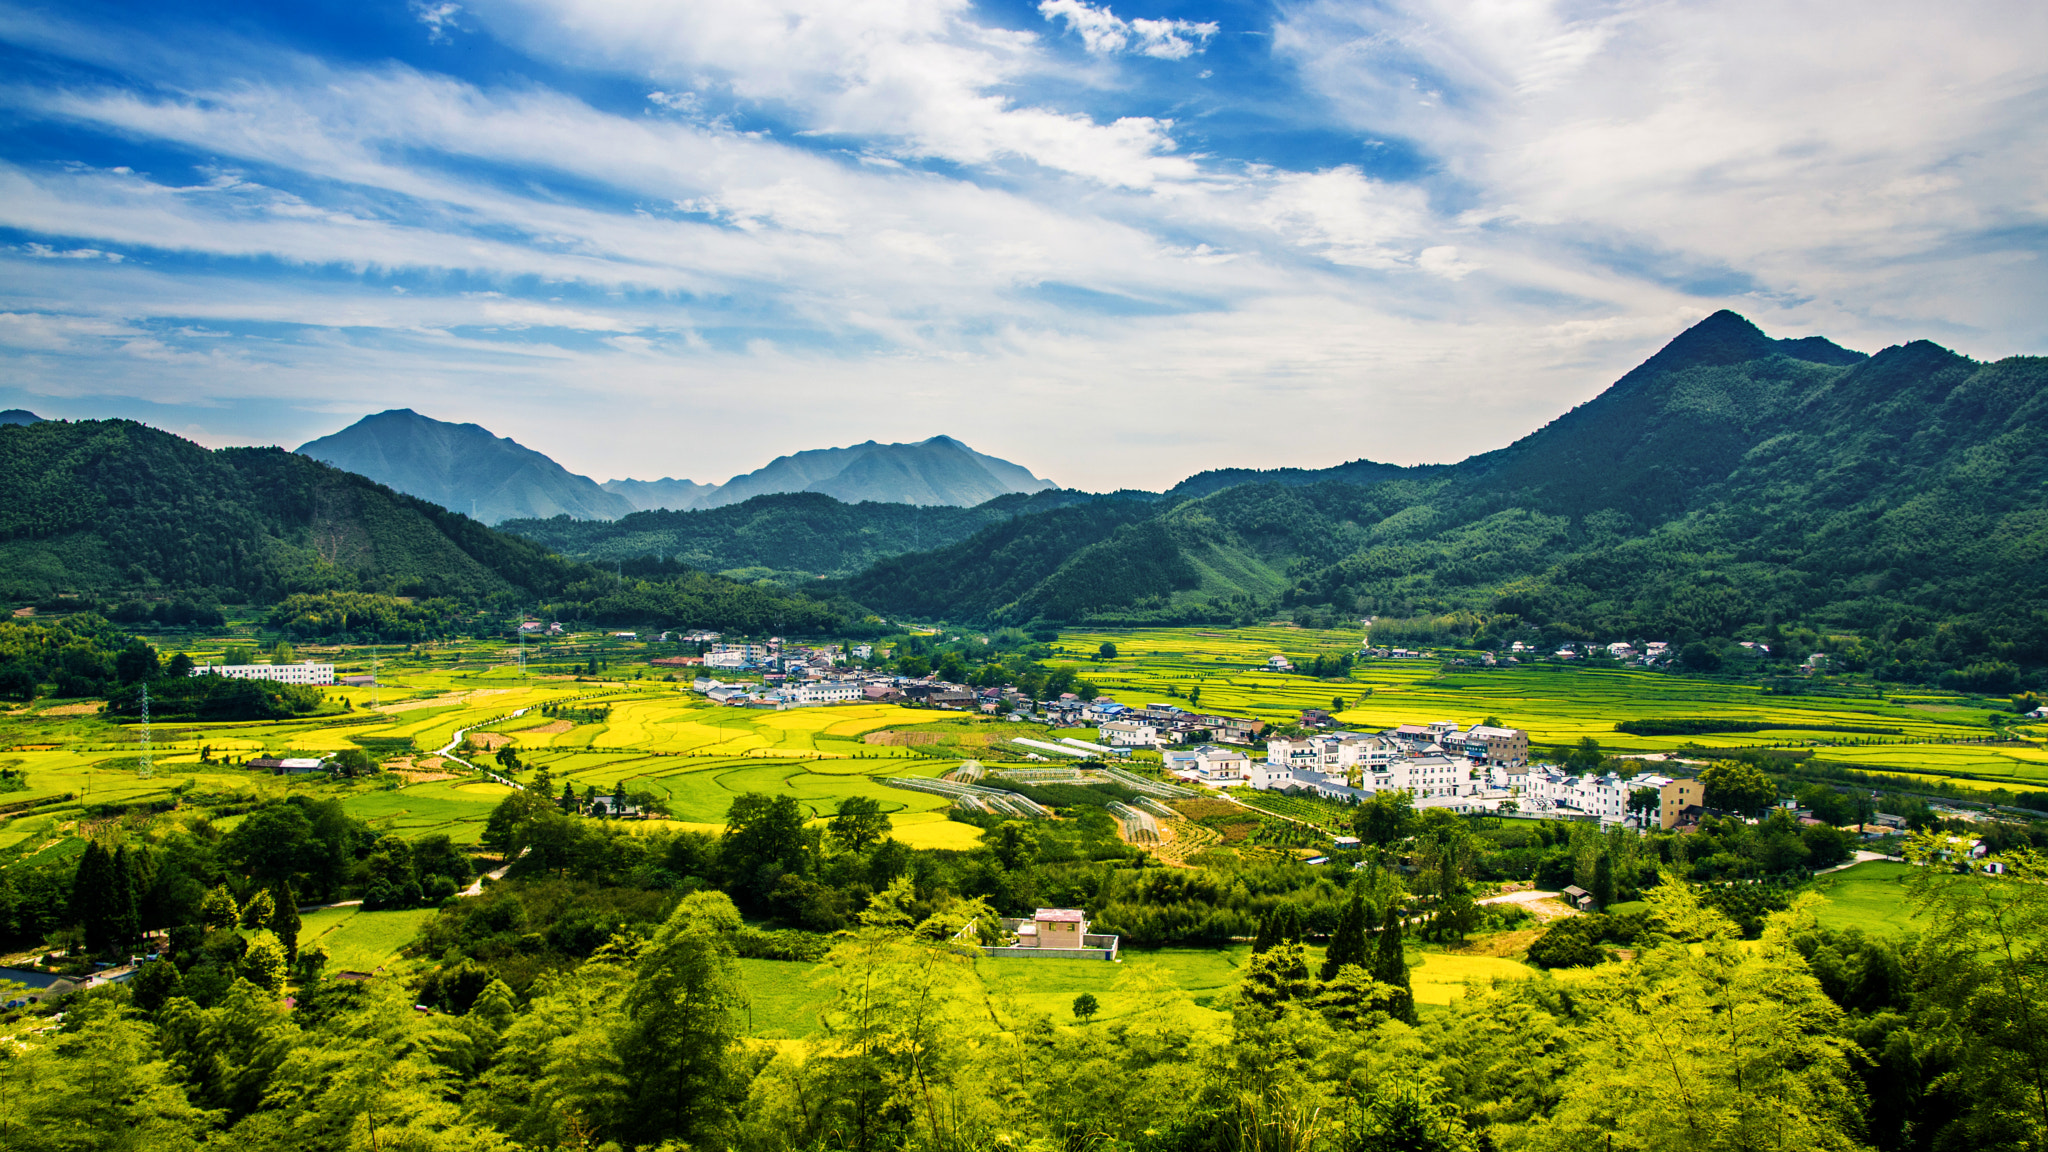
<point>464,468</point>
<point>1731,486</point>
<point>791,536</point>
<point>940,470</point>
<point>111,508</point>
<point>648,495</point>
<point>19,416</point>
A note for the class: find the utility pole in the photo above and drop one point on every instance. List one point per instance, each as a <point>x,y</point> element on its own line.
<point>145,771</point>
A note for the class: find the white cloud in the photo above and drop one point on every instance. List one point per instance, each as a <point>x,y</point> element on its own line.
<point>438,17</point>
<point>1104,33</point>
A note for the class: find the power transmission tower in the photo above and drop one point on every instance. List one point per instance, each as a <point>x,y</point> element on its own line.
<point>145,771</point>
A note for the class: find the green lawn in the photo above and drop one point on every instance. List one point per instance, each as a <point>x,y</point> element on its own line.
<point>359,941</point>
<point>1870,896</point>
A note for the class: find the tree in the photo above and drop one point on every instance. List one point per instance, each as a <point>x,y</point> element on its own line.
<point>1827,805</point>
<point>219,912</point>
<point>1385,818</point>
<point>1603,881</point>
<point>1086,1006</point>
<point>682,1032</point>
<point>1348,944</point>
<point>135,663</point>
<point>508,759</point>
<point>1277,976</point>
<point>1107,651</point>
<point>1643,804</point>
<point>270,844</point>
<point>1585,757</point>
<point>353,762</point>
<point>1411,1112</point>
<point>1390,964</point>
<point>859,822</point>
<point>97,899</point>
<point>265,962</point>
<point>1734,786</point>
<point>1014,844</point>
<point>1698,657</point>
<point>1336,704</point>
<point>764,840</point>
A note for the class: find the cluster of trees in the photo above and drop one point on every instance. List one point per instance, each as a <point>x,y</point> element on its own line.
<point>1009,658</point>
<point>126,883</point>
<point>79,655</point>
<point>174,612</point>
<point>1804,1038</point>
<point>365,617</point>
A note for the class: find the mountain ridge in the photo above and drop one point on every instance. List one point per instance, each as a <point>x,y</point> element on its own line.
<point>464,468</point>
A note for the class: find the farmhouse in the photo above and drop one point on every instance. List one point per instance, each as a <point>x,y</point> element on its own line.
<point>1054,933</point>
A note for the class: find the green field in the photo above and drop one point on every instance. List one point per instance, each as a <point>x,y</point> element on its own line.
<point>1870,896</point>
<point>1195,983</point>
<point>359,941</point>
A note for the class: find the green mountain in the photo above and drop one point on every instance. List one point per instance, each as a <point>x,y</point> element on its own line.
<point>463,467</point>
<point>1730,485</point>
<point>111,509</point>
<point>940,470</point>
<point>790,536</point>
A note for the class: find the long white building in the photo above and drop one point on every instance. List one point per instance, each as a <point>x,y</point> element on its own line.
<point>304,673</point>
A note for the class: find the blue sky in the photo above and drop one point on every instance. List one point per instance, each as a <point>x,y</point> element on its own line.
<point>1117,244</point>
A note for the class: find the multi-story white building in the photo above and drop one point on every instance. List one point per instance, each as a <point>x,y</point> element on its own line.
<point>821,692</point>
<point>303,673</point>
<point>735,655</point>
<point>1129,734</point>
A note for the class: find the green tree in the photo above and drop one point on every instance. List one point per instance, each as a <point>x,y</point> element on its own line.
<point>1385,818</point>
<point>859,822</point>
<point>98,1084</point>
<point>1734,786</point>
<point>1603,881</point>
<point>1411,1112</point>
<point>1390,965</point>
<point>681,1034</point>
<point>1985,959</point>
<point>764,841</point>
<point>1086,1006</point>
<point>1348,944</point>
<point>1277,976</point>
<point>1107,651</point>
<point>218,911</point>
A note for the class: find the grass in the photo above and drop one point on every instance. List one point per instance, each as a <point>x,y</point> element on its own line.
<point>1195,983</point>
<point>359,941</point>
<point>1870,896</point>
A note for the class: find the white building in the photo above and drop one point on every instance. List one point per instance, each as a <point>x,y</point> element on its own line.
<point>1218,767</point>
<point>822,692</point>
<point>1129,734</point>
<point>734,655</point>
<point>304,673</point>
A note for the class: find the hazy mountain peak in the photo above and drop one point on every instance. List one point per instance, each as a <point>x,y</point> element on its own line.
<point>19,416</point>
<point>464,468</point>
<point>937,470</point>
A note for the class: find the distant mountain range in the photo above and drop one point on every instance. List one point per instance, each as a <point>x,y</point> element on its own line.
<point>19,416</point>
<point>464,468</point>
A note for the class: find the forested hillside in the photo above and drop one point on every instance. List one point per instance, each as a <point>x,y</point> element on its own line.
<point>1732,482</point>
<point>114,510</point>
<point>794,535</point>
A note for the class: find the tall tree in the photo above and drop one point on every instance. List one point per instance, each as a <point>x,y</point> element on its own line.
<point>93,898</point>
<point>681,1035</point>
<point>1390,964</point>
<point>1348,944</point>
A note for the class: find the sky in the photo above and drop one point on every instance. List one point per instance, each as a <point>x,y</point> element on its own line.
<point>1115,243</point>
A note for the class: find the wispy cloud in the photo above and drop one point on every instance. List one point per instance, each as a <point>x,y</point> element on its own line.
<point>1105,33</point>
<point>801,224</point>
